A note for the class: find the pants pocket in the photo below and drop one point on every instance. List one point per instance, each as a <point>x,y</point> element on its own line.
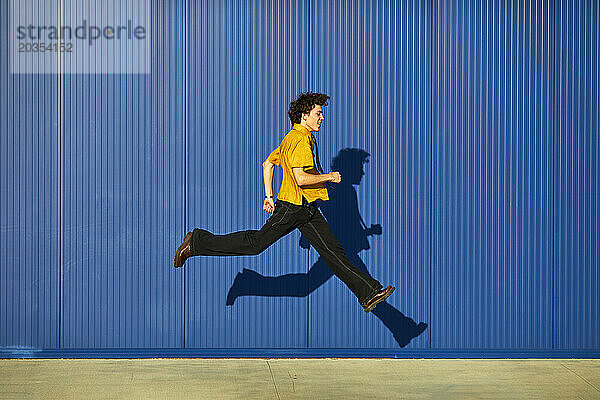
<point>281,210</point>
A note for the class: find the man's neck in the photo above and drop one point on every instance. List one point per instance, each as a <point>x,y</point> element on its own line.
<point>307,128</point>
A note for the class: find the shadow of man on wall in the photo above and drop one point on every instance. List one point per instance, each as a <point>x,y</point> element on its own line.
<point>343,215</point>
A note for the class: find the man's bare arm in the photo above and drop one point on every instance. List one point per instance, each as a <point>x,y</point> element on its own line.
<point>269,203</point>
<point>268,168</point>
<point>305,179</point>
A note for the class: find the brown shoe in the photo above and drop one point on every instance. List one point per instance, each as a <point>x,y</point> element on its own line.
<point>184,251</point>
<point>378,298</point>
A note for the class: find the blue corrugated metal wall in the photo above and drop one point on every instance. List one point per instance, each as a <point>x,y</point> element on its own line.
<point>480,194</point>
<point>492,176</point>
<point>576,170</point>
<point>122,157</point>
<point>30,242</point>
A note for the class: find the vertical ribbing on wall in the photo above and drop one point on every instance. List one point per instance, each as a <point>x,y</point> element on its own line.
<point>576,172</point>
<point>432,47</point>
<point>553,183</point>
<point>60,188</point>
<point>492,231</point>
<point>186,155</point>
<point>310,249</point>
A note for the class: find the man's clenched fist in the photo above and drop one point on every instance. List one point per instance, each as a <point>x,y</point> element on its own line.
<point>336,177</point>
<point>269,205</point>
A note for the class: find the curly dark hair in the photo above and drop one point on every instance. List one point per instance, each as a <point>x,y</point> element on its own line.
<point>304,103</point>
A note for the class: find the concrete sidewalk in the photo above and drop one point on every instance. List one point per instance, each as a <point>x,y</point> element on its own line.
<point>299,379</point>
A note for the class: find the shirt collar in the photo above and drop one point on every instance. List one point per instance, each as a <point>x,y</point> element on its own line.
<point>301,129</point>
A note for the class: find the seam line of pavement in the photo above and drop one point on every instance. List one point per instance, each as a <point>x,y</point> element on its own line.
<point>581,377</point>
<point>273,378</point>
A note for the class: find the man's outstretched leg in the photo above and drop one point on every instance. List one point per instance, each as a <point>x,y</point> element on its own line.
<point>367,289</point>
<point>249,242</point>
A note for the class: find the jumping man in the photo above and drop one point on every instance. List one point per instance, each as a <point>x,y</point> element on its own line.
<point>303,185</point>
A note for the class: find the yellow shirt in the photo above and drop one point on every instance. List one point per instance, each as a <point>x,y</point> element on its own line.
<point>296,151</point>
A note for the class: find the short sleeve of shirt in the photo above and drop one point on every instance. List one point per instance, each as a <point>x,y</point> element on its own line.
<point>301,156</point>
<point>274,156</point>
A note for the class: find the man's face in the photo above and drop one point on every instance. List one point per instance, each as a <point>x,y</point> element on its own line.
<point>314,119</point>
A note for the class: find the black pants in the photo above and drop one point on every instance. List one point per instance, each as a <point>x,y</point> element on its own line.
<point>285,219</point>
